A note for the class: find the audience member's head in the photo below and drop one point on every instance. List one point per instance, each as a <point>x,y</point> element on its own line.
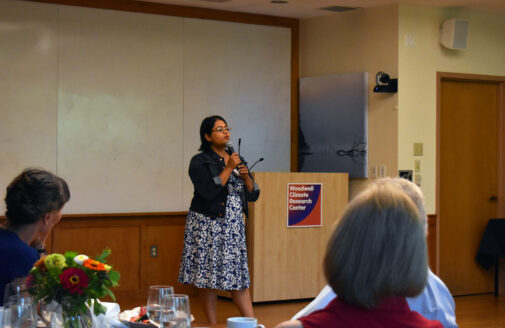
<point>413,191</point>
<point>378,249</point>
<point>32,195</point>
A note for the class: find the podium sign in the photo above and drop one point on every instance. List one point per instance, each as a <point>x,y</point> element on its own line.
<point>304,205</point>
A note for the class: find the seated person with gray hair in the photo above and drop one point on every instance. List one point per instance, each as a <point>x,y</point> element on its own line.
<point>34,201</point>
<point>434,303</point>
<point>376,257</point>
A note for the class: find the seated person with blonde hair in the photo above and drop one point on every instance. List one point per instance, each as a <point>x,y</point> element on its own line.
<point>434,303</point>
<point>376,257</point>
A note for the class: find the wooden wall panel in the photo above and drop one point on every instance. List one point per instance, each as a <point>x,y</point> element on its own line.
<point>165,268</point>
<point>123,241</point>
<point>129,236</point>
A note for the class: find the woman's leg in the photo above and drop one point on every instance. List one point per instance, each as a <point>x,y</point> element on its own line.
<point>209,300</point>
<point>242,299</point>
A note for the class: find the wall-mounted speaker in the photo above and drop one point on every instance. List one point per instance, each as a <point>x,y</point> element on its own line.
<point>454,33</point>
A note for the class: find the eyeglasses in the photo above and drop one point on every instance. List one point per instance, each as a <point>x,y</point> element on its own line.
<point>220,129</point>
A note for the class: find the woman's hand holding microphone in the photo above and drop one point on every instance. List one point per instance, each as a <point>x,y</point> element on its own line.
<point>234,162</point>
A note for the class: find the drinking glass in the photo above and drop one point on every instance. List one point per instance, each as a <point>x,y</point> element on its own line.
<point>19,312</point>
<point>156,294</point>
<point>175,311</point>
<point>14,289</point>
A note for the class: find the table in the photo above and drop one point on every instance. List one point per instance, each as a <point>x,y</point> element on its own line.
<point>492,247</point>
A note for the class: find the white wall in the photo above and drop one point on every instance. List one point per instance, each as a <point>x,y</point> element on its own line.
<point>28,89</point>
<point>417,67</point>
<point>112,101</point>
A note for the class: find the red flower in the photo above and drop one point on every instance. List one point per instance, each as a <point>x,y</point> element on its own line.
<point>74,280</point>
<point>30,280</point>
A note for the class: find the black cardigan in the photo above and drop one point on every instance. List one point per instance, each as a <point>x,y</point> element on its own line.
<point>210,195</point>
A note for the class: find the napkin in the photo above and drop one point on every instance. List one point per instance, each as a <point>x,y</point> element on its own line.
<point>110,318</point>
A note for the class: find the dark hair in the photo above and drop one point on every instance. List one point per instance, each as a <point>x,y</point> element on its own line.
<point>32,194</point>
<point>206,128</point>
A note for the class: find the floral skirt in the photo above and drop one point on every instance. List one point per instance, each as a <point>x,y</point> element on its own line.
<point>215,254</point>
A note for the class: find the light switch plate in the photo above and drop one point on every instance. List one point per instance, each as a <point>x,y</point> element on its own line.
<point>418,149</point>
<point>417,165</point>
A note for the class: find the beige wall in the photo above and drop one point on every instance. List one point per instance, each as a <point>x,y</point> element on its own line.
<point>360,40</point>
<point>112,100</point>
<point>417,67</point>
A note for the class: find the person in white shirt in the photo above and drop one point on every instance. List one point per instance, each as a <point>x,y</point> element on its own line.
<point>434,303</point>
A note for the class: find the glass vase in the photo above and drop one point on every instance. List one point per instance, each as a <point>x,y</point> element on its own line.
<point>66,319</point>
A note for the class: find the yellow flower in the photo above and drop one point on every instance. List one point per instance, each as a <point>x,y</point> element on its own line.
<point>55,261</point>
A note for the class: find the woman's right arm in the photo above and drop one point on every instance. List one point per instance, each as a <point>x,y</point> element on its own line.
<point>208,178</point>
<point>233,162</point>
<point>206,185</point>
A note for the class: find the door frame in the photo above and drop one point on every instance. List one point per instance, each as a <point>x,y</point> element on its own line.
<point>462,77</point>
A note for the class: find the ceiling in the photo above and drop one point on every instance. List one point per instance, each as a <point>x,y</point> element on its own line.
<point>312,8</point>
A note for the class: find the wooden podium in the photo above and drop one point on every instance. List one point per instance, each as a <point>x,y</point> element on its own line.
<point>286,263</point>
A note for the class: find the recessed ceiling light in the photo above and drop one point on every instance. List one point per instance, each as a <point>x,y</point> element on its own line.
<point>279,1</point>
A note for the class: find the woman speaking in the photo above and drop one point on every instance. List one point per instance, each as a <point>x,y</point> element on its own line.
<point>215,255</point>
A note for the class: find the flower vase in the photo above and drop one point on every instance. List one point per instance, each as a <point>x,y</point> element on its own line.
<point>67,319</point>
<point>80,320</point>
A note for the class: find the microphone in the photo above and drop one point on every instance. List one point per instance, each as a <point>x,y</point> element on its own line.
<point>229,146</point>
<point>259,160</point>
<point>239,142</point>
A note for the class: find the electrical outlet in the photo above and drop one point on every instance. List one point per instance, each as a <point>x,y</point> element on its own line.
<point>154,251</point>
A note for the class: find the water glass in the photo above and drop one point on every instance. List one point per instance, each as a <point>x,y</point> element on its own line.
<point>154,299</point>
<point>175,311</point>
<point>19,312</point>
<point>14,289</point>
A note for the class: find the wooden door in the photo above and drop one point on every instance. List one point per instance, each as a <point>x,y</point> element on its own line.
<point>468,158</point>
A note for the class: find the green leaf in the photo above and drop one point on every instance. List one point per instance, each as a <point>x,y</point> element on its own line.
<point>102,257</point>
<point>114,277</point>
<point>98,308</point>
<point>70,255</point>
<point>110,293</point>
